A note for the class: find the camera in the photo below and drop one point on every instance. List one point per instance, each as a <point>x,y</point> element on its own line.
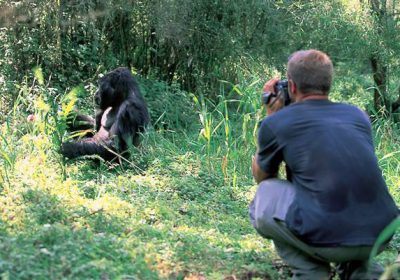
<point>281,91</point>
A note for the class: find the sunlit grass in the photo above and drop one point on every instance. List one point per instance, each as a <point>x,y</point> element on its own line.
<point>182,213</point>
<point>147,213</point>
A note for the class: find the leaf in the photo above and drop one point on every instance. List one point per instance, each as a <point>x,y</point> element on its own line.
<point>38,73</point>
<point>42,105</point>
<point>67,108</point>
<point>383,237</point>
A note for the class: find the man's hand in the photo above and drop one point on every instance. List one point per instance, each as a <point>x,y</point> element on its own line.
<point>276,103</point>
<point>258,174</point>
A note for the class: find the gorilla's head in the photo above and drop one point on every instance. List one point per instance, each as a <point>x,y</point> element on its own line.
<point>114,88</point>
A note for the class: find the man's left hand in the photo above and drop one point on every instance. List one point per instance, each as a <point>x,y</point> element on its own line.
<point>275,103</point>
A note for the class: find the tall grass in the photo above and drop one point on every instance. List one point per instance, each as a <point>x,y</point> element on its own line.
<point>8,155</point>
<point>228,131</point>
<point>181,213</point>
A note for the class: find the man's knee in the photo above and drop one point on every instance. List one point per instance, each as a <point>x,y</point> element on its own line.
<point>271,201</point>
<point>261,208</point>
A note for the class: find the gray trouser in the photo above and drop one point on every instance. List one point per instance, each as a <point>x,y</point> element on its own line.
<point>267,212</point>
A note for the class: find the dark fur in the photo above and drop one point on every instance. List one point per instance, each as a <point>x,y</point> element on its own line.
<point>119,126</point>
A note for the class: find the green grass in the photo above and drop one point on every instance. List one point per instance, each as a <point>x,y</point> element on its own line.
<point>174,219</point>
<point>179,211</point>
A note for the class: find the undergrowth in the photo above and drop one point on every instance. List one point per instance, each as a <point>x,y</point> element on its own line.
<point>179,211</point>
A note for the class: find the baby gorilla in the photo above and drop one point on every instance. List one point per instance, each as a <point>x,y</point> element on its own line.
<point>121,116</point>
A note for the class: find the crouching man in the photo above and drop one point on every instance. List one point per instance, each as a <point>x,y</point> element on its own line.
<point>334,202</point>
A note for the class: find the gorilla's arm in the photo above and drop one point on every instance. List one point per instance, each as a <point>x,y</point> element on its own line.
<point>131,120</point>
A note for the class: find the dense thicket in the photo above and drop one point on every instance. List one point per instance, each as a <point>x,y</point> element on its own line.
<point>194,43</point>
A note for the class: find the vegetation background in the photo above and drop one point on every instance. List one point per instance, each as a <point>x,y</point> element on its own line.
<point>178,208</point>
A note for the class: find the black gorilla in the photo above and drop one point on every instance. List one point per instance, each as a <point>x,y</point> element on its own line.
<point>121,116</point>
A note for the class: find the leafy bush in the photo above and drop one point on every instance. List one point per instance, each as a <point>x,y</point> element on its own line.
<point>170,107</point>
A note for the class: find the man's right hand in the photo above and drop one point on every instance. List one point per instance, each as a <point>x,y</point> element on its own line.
<point>275,103</point>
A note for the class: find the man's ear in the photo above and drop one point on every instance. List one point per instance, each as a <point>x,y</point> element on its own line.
<point>292,89</point>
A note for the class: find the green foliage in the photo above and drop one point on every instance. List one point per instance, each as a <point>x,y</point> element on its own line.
<point>385,235</point>
<point>193,43</point>
<point>174,216</point>
<point>170,107</point>
<point>178,208</point>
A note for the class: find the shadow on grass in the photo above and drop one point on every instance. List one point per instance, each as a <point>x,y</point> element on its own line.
<point>61,241</point>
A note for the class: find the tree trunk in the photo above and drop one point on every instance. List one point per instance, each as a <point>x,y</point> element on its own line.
<point>379,73</point>
<point>379,68</point>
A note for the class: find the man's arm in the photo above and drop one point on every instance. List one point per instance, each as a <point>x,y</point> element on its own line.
<point>258,174</point>
<point>270,154</point>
